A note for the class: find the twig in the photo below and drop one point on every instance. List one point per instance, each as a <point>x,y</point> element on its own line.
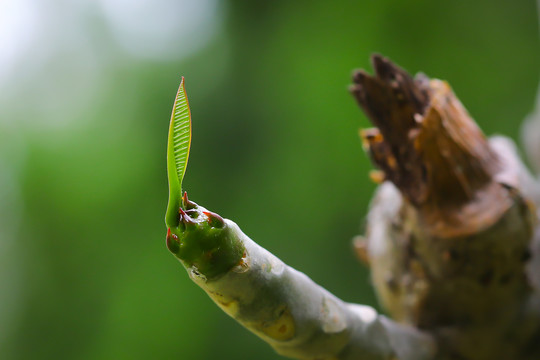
<point>284,307</point>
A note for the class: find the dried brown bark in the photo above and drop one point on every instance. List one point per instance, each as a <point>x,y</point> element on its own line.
<point>449,232</point>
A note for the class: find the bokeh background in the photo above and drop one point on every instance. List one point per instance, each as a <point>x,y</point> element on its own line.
<point>86,90</point>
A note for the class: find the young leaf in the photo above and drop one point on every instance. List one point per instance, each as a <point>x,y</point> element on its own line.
<point>178,146</point>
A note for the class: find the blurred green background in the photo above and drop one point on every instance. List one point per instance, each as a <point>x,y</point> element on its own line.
<point>86,91</point>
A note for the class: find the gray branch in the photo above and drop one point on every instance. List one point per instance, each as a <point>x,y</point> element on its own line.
<point>299,318</point>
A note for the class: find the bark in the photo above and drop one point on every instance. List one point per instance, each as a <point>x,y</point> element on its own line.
<point>450,229</point>
<point>281,305</point>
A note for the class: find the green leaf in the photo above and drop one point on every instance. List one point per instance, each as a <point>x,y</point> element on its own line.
<point>177,153</point>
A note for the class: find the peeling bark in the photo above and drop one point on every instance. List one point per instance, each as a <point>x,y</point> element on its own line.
<point>449,232</point>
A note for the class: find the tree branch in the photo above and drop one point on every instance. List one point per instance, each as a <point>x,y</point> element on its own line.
<point>448,241</point>
<point>284,307</point>
<point>449,232</point>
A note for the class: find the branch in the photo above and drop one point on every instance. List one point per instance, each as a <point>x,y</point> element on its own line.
<point>450,229</point>
<point>281,305</point>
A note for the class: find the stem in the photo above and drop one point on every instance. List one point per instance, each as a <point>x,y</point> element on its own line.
<point>449,232</point>
<point>300,319</point>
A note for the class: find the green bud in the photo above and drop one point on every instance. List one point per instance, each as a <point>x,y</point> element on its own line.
<point>204,241</point>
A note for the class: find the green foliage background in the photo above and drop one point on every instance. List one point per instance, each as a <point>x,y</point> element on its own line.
<point>84,271</point>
